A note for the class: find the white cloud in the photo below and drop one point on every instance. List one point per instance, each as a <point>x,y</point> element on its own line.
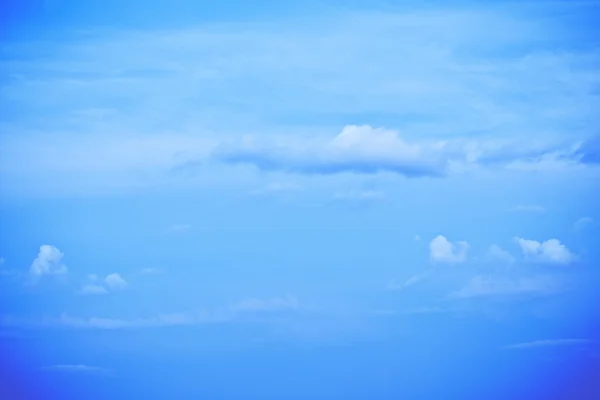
<point>547,343</point>
<point>79,368</point>
<point>92,289</point>
<point>115,281</point>
<point>481,286</point>
<point>549,251</point>
<point>48,262</point>
<point>443,251</point>
<point>450,85</point>
<point>497,253</point>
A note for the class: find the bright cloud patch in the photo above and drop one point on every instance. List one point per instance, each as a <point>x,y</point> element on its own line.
<point>115,281</point>
<point>443,251</point>
<point>550,251</point>
<point>48,262</point>
<point>358,149</point>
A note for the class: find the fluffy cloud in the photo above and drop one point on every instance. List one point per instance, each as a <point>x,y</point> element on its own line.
<point>550,251</point>
<point>48,262</point>
<point>443,251</point>
<point>115,281</point>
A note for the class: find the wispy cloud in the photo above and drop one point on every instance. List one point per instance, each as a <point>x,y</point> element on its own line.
<point>496,252</point>
<point>529,208</point>
<point>198,317</point>
<point>488,286</point>
<point>178,229</point>
<point>150,271</point>
<point>452,84</point>
<point>79,369</point>
<point>413,280</point>
<point>547,343</point>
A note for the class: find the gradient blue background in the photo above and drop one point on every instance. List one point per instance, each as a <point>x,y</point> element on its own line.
<point>187,263</point>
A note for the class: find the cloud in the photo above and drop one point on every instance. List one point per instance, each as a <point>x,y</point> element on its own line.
<point>199,317</point>
<point>443,251</point>
<point>48,262</point>
<point>115,281</point>
<point>92,289</point>
<point>278,303</point>
<point>482,286</point>
<point>276,188</point>
<point>178,228</point>
<point>529,208</point>
<point>357,149</point>
<point>589,151</point>
<point>583,222</point>
<point>495,252</point>
<point>550,251</point>
<point>407,283</point>
<point>547,343</point>
<point>79,369</point>
<point>150,271</point>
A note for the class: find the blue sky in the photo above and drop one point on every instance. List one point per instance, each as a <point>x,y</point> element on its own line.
<point>266,200</point>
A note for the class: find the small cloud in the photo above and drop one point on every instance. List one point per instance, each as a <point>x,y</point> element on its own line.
<point>547,343</point>
<point>178,228</point>
<point>424,310</point>
<point>92,289</point>
<point>48,262</point>
<point>115,281</point>
<point>409,282</point>
<point>150,271</point>
<point>496,252</point>
<point>279,303</point>
<point>582,223</point>
<point>481,286</point>
<point>79,369</point>
<point>529,208</point>
<point>550,251</point>
<point>443,251</point>
<point>384,312</point>
<point>276,188</point>
<point>417,238</point>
